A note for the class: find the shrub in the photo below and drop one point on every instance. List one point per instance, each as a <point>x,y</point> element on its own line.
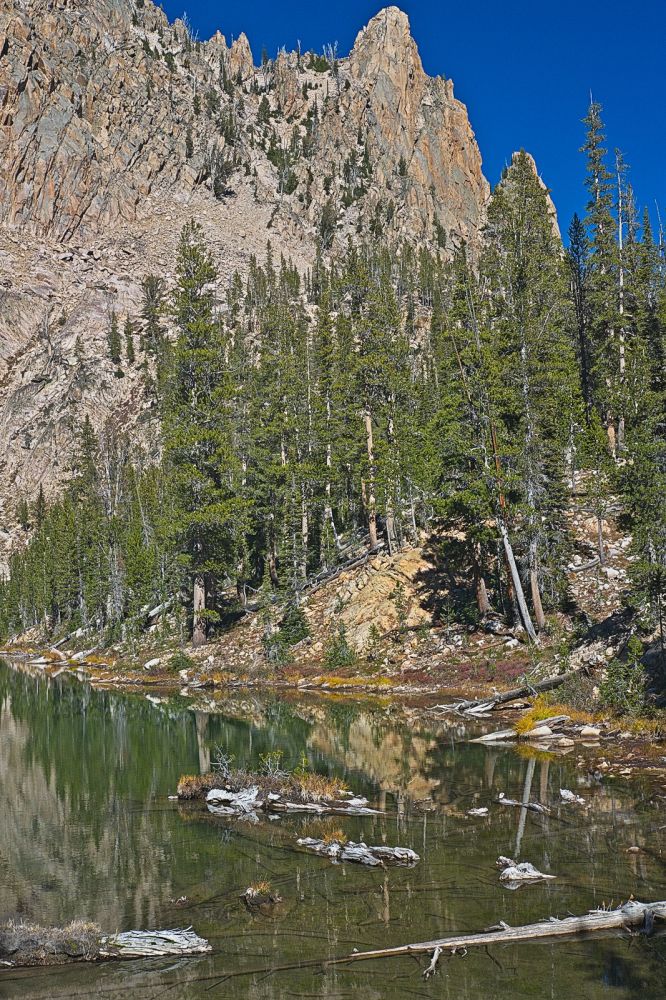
<point>624,689</point>
<point>339,653</point>
<point>293,628</point>
<point>271,764</point>
<point>180,661</point>
<point>222,761</point>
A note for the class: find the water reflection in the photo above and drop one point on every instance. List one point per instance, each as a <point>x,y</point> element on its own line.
<point>86,830</point>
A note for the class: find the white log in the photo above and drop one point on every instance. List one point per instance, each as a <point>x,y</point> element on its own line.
<point>224,802</point>
<point>532,806</point>
<point>568,796</point>
<point>245,801</point>
<point>146,944</point>
<point>631,914</point>
<point>512,871</point>
<point>499,737</point>
<point>359,853</point>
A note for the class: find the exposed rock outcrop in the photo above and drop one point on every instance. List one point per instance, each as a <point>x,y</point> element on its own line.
<point>111,120</point>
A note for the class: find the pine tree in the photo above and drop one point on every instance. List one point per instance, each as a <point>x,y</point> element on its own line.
<point>129,341</point>
<point>578,260</point>
<point>197,431</point>
<point>114,340</point>
<point>603,281</point>
<point>532,382</point>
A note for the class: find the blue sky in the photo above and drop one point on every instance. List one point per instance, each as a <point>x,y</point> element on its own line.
<point>524,70</point>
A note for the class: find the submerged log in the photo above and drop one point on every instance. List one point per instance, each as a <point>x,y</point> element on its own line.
<point>27,944</point>
<point>536,807</point>
<point>151,944</point>
<point>361,854</point>
<point>630,915</point>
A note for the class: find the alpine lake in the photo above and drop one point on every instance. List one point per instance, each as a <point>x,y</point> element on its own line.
<point>87,830</point>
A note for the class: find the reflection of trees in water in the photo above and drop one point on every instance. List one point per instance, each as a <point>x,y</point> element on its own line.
<point>79,769</point>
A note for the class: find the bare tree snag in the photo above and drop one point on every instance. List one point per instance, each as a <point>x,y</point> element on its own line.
<point>371,499</point>
<point>198,608</point>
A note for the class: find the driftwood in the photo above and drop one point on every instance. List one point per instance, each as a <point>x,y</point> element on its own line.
<point>151,944</point>
<point>582,567</point>
<point>249,803</point>
<point>631,915</point>
<point>568,796</point>
<point>536,807</point>
<point>361,854</point>
<point>26,944</point>
<point>475,706</point>
<point>512,871</point>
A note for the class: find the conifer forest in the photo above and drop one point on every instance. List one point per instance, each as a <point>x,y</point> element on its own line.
<point>386,393</point>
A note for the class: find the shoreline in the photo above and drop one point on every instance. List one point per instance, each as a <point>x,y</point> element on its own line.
<point>626,747</point>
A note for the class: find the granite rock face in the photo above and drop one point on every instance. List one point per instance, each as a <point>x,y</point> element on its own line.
<point>111,122</point>
<point>97,97</point>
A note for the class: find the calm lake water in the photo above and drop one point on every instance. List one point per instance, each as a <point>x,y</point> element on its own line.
<point>87,830</point>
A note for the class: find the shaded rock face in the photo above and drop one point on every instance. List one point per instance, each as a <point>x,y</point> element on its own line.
<point>110,117</point>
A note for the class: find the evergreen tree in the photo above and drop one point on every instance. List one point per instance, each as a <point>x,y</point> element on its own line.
<point>197,431</point>
<point>603,282</point>
<point>114,340</point>
<point>129,341</point>
<point>531,378</point>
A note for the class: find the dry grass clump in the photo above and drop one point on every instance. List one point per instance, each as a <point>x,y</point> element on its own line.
<point>299,786</point>
<point>262,888</point>
<point>335,837</point>
<point>545,709</point>
<point>197,786</point>
<point>24,943</point>
<point>311,787</point>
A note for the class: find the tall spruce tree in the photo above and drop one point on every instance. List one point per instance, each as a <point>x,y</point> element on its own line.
<point>198,433</point>
<point>532,381</point>
<point>603,280</point>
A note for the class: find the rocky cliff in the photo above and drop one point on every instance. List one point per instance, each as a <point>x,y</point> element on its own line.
<point>117,126</point>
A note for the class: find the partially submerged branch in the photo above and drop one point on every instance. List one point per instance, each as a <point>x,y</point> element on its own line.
<point>631,915</point>
<point>360,853</point>
<point>27,944</point>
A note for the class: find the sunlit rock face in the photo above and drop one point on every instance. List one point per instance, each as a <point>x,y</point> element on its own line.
<point>108,116</point>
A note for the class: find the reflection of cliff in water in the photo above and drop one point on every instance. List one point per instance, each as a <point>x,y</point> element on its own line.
<point>78,771</point>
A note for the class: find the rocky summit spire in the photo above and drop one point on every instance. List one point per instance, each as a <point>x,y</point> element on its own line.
<point>384,44</point>
<point>117,126</point>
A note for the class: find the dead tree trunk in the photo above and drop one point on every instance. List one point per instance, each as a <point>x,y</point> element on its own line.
<point>198,609</point>
<point>371,499</point>
<point>522,692</point>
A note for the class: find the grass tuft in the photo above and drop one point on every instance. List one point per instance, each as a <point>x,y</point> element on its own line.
<point>545,709</point>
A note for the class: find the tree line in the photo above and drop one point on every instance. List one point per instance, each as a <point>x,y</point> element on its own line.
<point>390,391</point>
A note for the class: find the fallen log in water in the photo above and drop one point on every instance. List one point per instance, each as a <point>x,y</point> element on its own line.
<point>512,871</point>
<point>359,853</point>
<point>473,706</point>
<point>249,802</point>
<point>27,944</point>
<point>630,915</point>
<point>536,807</point>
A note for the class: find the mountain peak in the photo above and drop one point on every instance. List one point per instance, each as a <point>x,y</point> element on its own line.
<point>385,41</point>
